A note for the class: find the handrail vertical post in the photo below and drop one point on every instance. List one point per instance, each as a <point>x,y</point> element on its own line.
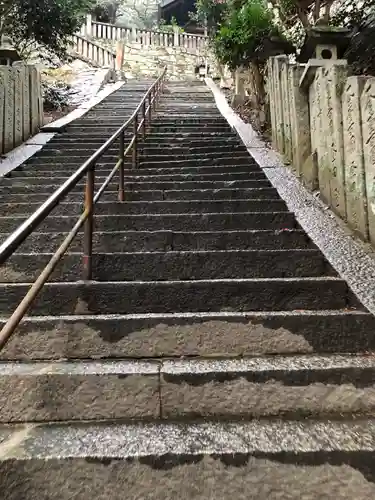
<point>149,109</point>
<point>89,223</point>
<point>144,119</point>
<point>154,99</point>
<point>135,144</point>
<point>121,186</point>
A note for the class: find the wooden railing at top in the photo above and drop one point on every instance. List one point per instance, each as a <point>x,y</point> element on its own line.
<point>145,37</point>
<point>90,50</point>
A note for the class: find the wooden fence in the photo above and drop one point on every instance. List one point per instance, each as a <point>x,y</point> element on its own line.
<point>144,37</point>
<point>21,105</point>
<point>90,50</point>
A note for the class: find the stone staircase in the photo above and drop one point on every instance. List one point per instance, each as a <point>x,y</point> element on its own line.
<point>216,354</point>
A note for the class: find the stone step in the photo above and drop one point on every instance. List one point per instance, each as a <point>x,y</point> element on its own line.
<point>168,222</point>
<point>138,297</point>
<point>64,153</point>
<point>149,162</point>
<point>166,241</point>
<point>198,143</point>
<point>293,387</point>
<point>172,265</point>
<point>220,334</point>
<point>178,135</point>
<point>17,185</point>
<point>177,150</point>
<point>163,461</point>
<point>157,195</point>
<point>154,207</point>
<point>159,181</point>
<point>105,168</point>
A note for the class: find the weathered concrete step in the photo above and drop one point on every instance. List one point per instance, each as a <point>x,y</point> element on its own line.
<point>154,207</point>
<point>165,241</point>
<point>295,387</point>
<point>276,294</point>
<point>181,150</point>
<point>157,161</point>
<point>103,132</point>
<point>182,120</point>
<point>157,141</point>
<point>64,154</point>
<point>234,157</point>
<point>150,162</point>
<point>104,168</point>
<point>79,159</point>
<point>159,181</point>
<point>10,185</point>
<point>220,334</point>
<point>157,195</point>
<point>172,265</point>
<point>169,222</point>
<point>174,127</point>
<point>69,391</point>
<point>163,461</point>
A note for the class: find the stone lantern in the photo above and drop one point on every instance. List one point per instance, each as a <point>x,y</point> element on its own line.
<point>8,54</point>
<point>325,42</point>
<point>324,45</point>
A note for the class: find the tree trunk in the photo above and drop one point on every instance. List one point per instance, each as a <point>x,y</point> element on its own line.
<point>257,93</point>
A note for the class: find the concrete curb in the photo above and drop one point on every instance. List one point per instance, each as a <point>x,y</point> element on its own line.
<point>60,124</point>
<point>353,259</point>
<point>19,155</point>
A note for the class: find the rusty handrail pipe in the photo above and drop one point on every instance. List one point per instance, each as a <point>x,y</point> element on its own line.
<point>12,243</point>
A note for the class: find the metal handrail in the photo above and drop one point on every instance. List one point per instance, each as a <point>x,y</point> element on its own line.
<point>11,244</point>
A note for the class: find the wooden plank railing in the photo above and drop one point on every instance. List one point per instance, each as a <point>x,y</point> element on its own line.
<point>94,52</point>
<point>157,38</point>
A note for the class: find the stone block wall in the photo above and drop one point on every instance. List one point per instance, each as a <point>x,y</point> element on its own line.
<point>21,105</point>
<point>143,61</point>
<point>325,127</point>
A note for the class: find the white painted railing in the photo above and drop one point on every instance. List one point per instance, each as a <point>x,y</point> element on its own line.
<point>145,37</point>
<point>93,51</point>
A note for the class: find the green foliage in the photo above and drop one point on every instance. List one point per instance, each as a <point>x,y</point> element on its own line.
<point>352,14</point>
<point>169,28</point>
<point>49,23</point>
<point>211,12</point>
<point>240,37</point>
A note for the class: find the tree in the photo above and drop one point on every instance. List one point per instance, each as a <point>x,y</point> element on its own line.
<point>106,11</point>
<point>140,13</point>
<point>49,23</point>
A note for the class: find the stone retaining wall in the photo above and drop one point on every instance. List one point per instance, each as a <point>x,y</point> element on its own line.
<point>147,61</point>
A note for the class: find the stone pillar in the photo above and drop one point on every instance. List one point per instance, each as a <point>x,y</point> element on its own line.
<point>355,183</point>
<point>2,107</point>
<point>285,95</point>
<point>120,48</point>
<point>89,25</point>
<point>319,177</point>
<point>271,98</point>
<point>19,75</point>
<point>8,79</point>
<point>239,88</point>
<point>176,36</point>
<point>368,134</point>
<point>300,125</point>
<point>334,78</point>
<point>34,99</point>
<point>279,112</point>
<point>134,34</point>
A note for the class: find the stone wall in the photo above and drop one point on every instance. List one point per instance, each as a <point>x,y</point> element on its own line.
<point>323,122</point>
<point>21,105</point>
<point>147,60</point>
